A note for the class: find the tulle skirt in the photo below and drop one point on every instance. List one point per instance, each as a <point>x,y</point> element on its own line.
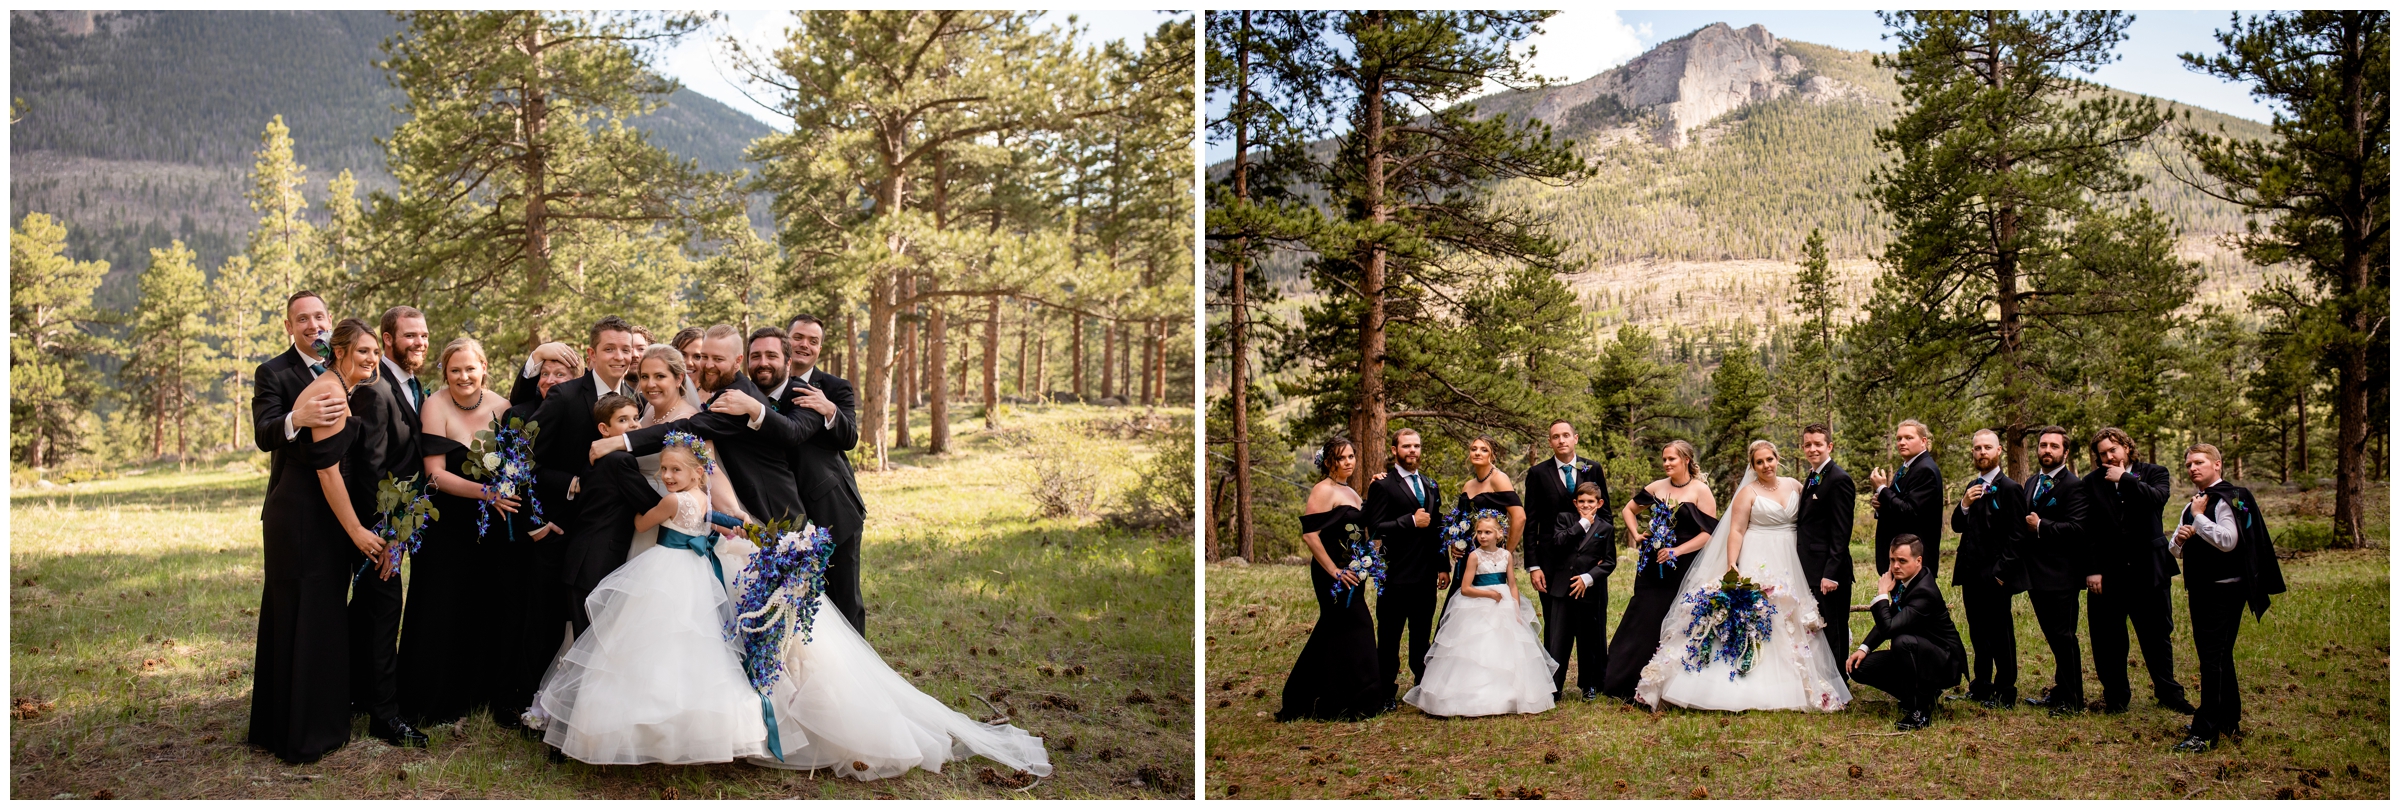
<point>839,706</point>
<point>654,679</point>
<point>1486,659</point>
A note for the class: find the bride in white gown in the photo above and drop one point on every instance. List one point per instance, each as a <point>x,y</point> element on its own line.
<point>1793,669</point>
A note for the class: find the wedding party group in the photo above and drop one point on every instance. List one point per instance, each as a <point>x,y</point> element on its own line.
<point>639,553</point>
<point>1743,603</point>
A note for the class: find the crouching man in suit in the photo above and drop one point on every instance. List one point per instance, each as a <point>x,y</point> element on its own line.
<point>1926,656</point>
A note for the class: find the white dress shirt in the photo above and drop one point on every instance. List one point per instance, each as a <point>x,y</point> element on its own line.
<point>2218,528</point>
<point>291,432</point>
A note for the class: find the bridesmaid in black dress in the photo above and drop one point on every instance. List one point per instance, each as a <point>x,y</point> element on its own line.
<point>1488,488</point>
<point>1337,675</point>
<point>443,670</point>
<point>300,701</point>
<point>507,562</point>
<point>1657,581</point>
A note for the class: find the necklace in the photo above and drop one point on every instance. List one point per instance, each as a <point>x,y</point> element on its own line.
<point>478,400</point>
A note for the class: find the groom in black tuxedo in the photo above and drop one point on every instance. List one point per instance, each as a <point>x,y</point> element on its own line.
<point>1402,509</point>
<point>1925,657</point>
<point>2132,569</point>
<point>2057,560</point>
<point>824,413</point>
<point>1573,619</point>
<point>752,440</point>
<point>1989,571</point>
<point>1909,501</point>
<point>277,419</point>
<point>1828,510</point>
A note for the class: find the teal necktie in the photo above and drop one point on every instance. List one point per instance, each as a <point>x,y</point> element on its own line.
<point>416,392</point>
<point>1570,469</point>
<point>1416,487</point>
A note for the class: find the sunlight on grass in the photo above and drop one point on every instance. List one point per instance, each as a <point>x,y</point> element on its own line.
<point>133,623</point>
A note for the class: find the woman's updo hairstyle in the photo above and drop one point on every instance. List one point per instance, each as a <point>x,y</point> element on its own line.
<point>1329,451</point>
<point>347,333</point>
<point>460,344</point>
<point>663,353</point>
<point>1691,457</point>
<point>1752,453</point>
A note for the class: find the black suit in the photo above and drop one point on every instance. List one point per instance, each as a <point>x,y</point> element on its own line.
<point>1572,551</point>
<point>1925,657</point>
<point>1549,504</point>
<point>613,493</point>
<point>561,453</point>
<point>387,445</point>
<point>1988,572</point>
<point>1828,510</point>
<point>1413,560</point>
<point>1911,504</point>
<point>2056,558</point>
<point>757,461</point>
<point>820,466</point>
<point>2128,539</point>
<point>273,387</point>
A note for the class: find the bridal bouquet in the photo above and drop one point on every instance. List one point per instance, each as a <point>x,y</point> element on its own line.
<point>779,594</point>
<point>503,455</point>
<point>1729,623</point>
<point>1660,534</point>
<point>405,507</point>
<point>1365,561</point>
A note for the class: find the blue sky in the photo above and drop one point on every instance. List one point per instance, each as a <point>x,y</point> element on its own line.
<point>700,63</point>
<point>1579,44</point>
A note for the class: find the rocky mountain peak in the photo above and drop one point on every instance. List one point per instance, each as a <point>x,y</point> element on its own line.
<point>1683,84</point>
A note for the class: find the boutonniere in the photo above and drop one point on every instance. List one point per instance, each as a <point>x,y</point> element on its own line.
<point>2243,509</point>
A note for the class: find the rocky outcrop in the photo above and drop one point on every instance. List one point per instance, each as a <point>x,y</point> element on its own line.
<point>1683,84</point>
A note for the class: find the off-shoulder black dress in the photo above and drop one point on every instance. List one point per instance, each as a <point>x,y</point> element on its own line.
<point>445,670</point>
<point>1654,590</point>
<point>1337,676</point>
<point>300,697</point>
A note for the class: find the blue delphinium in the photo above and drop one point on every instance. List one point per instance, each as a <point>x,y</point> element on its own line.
<point>779,595</point>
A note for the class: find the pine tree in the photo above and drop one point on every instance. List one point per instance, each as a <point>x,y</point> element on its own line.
<point>2324,182</point>
<point>1638,410</point>
<point>282,244</point>
<point>1805,378</point>
<point>168,359</point>
<point>244,316</point>
<point>1737,393</point>
<point>51,342</point>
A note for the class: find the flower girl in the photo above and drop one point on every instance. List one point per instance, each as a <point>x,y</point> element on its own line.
<point>1486,658</point>
<point>654,680</point>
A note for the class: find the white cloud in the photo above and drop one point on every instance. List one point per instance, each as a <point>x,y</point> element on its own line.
<point>1577,45</point>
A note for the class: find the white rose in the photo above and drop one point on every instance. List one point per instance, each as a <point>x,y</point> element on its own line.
<point>491,461</point>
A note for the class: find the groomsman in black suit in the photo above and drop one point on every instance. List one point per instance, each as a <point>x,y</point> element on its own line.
<point>1403,509</point>
<point>1925,657</point>
<point>753,442</point>
<point>824,413</point>
<point>1828,508</point>
<point>277,420</point>
<point>1909,501</point>
<point>1576,601</point>
<point>1549,488</point>
<point>2057,559</point>
<point>2229,562</point>
<point>1990,519</point>
<point>387,412</point>
<point>2131,573</point>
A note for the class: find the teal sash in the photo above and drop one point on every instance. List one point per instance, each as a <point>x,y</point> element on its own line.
<point>1490,579</point>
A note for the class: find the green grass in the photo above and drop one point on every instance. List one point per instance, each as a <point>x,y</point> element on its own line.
<point>2315,673</point>
<point>133,623</point>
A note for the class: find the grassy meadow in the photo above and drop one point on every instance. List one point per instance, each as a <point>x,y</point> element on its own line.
<point>2316,714</point>
<point>133,622</point>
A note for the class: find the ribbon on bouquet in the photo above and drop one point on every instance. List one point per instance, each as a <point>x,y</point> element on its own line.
<point>706,547</point>
<point>765,706</point>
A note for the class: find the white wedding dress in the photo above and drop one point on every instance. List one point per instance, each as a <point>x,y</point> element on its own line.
<point>1486,658</point>
<point>654,680</point>
<point>1793,670</point>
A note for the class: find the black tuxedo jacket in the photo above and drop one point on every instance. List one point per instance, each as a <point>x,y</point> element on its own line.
<point>1918,610</point>
<point>1591,552</point>
<point>1412,555</point>
<point>1828,510</point>
<point>399,386</point>
<point>613,493</point>
<point>408,419</point>
<point>1990,536</point>
<point>2127,532</point>
<point>1549,505</point>
<point>1912,504</point>
<point>758,461</point>
<point>274,385</point>
<point>562,450</point>
<point>818,454</point>
<point>2057,556</point>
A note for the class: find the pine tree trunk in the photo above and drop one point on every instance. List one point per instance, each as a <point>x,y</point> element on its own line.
<point>536,191</point>
<point>1108,359</point>
<point>1024,337</point>
<point>1368,415</point>
<point>905,368</point>
<point>876,367</point>
<point>1076,355</point>
<point>937,439</point>
<point>1041,364</point>
<point>1237,383</point>
<point>991,363</point>
<point>2350,407</point>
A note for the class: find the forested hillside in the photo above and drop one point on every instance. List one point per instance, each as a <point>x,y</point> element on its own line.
<point>137,128</point>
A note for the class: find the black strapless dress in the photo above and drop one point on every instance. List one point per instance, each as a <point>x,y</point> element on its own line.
<point>1654,593</point>
<point>300,698</point>
<point>1337,676</point>
<point>444,668</point>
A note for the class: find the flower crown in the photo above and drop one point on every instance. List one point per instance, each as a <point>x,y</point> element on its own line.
<point>1494,514</point>
<point>698,448</point>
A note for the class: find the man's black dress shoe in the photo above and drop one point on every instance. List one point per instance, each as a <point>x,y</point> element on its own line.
<point>2194,745</point>
<point>1591,694</point>
<point>2059,707</point>
<point>2000,699</point>
<point>2114,708</point>
<point>2178,705</point>
<point>1914,720</point>
<point>397,732</point>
